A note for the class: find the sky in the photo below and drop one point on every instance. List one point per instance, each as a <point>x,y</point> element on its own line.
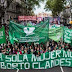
<point>41,8</point>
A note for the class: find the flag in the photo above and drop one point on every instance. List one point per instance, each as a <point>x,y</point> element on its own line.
<point>71,42</point>
<point>20,33</point>
<point>53,26</point>
<point>2,35</point>
<point>56,33</point>
<point>67,35</point>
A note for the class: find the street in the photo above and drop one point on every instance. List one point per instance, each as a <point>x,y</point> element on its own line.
<point>55,69</point>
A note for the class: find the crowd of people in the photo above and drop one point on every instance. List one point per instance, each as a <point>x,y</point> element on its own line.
<point>32,48</point>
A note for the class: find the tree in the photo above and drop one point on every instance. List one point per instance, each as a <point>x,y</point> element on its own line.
<point>29,5</point>
<point>56,6</point>
<point>9,2</point>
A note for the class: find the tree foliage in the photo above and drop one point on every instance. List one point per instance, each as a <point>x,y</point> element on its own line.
<point>29,5</point>
<point>56,6</point>
<point>9,2</point>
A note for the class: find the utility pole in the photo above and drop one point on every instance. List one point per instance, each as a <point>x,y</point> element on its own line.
<point>71,8</point>
<point>70,2</point>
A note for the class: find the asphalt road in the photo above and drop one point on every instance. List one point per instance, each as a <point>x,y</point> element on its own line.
<point>55,69</point>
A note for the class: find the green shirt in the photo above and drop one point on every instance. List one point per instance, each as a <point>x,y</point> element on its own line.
<point>62,48</point>
<point>56,48</point>
<point>22,52</point>
<point>8,49</point>
<point>49,50</point>
<point>3,49</point>
<point>7,52</point>
<point>18,53</point>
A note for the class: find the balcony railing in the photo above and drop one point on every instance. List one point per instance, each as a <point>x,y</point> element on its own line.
<point>18,1</point>
<point>14,11</point>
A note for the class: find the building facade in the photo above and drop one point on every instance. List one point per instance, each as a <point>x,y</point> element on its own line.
<point>43,15</point>
<point>10,11</point>
<point>65,16</point>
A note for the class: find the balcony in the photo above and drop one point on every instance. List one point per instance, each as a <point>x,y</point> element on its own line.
<point>14,11</point>
<point>18,1</point>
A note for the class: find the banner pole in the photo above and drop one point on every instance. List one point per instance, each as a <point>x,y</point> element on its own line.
<point>63,33</point>
<point>48,29</point>
<point>48,35</point>
<point>71,39</point>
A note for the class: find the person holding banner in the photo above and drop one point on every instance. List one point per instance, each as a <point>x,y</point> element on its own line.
<point>18,52</point>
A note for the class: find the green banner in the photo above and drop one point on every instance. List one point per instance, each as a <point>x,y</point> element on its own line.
<point>2,35</point>
<point>20,33</point>
<point>56,33</point>
<point>67,35</point>
<point>30,61</point>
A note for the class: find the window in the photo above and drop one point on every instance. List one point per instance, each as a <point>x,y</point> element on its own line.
<point>2,1</point>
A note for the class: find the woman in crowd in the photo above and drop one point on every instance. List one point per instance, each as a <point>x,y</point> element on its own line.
<point>18,51</point>
<point>37,49</point>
